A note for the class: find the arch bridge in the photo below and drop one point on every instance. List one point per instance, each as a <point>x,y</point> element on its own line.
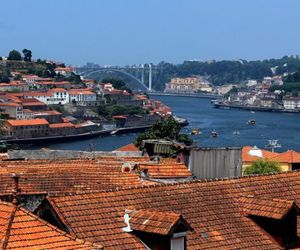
<point>141,71</point>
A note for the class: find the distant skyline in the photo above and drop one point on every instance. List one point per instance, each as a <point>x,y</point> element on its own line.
<point>126,32</point>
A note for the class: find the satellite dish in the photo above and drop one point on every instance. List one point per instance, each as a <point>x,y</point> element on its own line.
<point>255,151</point>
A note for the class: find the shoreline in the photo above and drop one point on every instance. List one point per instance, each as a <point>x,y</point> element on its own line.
<point>63,138</point>
<point>194,95</point>
<point>255,108</point>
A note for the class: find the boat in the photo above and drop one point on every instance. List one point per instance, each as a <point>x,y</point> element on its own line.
<point>251,122</point>
<point>182,121</point>
<point>114,132</point>
<point>195,131</point>
<point>214,133</point>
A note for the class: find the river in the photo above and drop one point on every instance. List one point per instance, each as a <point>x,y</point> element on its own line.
<point>231,126</point>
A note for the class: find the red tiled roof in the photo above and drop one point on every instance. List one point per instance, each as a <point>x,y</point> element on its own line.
<point>246,157</point>
<point>72,176</point>
<point>173,170</point>
<point>21,229</point>
<point>128,147</point>
<point>57,90</point>
<point>270,208</point>
<point>10,104</point>
<point>81,92</point>
<point>36,94</point>
<point>154,221</point>
<point>120,117</point>
<point>31,122</point>
<point>62,125</point>
<point>289,156</point>
<point>49,112</point>
<point>213,209</point>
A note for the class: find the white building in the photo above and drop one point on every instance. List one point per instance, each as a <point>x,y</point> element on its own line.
<point>82,95</point>
<point>291,103</point>
<point>53,96</point>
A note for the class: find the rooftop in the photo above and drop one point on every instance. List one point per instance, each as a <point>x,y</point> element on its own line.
<point>21,229</point>
<point>30,122</point>
<point>128,147</point>
<point>289,156</point>
<point>212,208</point>
<point>62,125</point>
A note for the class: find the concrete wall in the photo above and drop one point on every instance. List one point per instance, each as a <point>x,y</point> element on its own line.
<point>211,163</point>
<point>66,154</point>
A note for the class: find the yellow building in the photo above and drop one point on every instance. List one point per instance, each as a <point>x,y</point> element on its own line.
<point>289,160</point>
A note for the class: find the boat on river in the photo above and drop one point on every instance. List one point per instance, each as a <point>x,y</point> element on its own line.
<point>214,133</point>
<point>251,122</point>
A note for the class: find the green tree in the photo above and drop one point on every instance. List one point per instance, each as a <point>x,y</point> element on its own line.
<point>14,55</point>
<point>117,84</point>
<point>27,55</point>
<point>4,75</point>
<point>262,166</point>
<point>167,129</point>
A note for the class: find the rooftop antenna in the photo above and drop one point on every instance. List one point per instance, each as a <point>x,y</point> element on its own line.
<point>273,144</point>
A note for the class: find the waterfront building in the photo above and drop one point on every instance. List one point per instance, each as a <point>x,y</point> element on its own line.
<point>14,110</point>
<point>52,116</point>
<point>188,85</point>
<point>292,102</point>
<point>26,128</point>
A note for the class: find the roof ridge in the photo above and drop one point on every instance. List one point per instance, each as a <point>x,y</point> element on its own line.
<point>223,179</point>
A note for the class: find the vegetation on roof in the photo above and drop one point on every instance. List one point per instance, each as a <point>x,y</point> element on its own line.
<point>262,166</point>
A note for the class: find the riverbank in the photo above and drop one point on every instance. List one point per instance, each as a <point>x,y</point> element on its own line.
<point>195,95</point>
<point>77,137</point>
<point>254,108</point>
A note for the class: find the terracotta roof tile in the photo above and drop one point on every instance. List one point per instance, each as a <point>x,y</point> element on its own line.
<point>21,229</point>
<point>289,156</point>
<point>31,122</point>
<point>271,208</point>
<point>128,147</point>
<point>160,170</point>
<point>247,157</point>
<point>62,125</point>
<point>72,176</point>
<point>212,208</point>
<point>154,221</point>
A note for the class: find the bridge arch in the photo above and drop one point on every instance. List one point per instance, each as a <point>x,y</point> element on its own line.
<point>89,73</point>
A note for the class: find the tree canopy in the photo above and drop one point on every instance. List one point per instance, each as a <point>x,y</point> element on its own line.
<point>167,129</point>
<point>14,55</point>
<point>27,55</point>
<point>262,166</point>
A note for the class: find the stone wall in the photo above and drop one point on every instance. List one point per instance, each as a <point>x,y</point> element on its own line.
<point>66,154</point>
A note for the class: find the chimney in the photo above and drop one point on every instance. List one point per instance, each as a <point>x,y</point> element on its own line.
<point>16,189</point>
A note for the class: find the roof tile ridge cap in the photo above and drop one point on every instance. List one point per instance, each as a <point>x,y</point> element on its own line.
<point>10,222</point>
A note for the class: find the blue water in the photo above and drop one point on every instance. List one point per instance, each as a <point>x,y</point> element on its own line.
<point>201,114</point>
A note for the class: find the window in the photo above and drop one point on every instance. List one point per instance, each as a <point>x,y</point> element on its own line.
<point>177,243</point>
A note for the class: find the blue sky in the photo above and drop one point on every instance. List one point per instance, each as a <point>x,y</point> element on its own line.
<point>121,32</point>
